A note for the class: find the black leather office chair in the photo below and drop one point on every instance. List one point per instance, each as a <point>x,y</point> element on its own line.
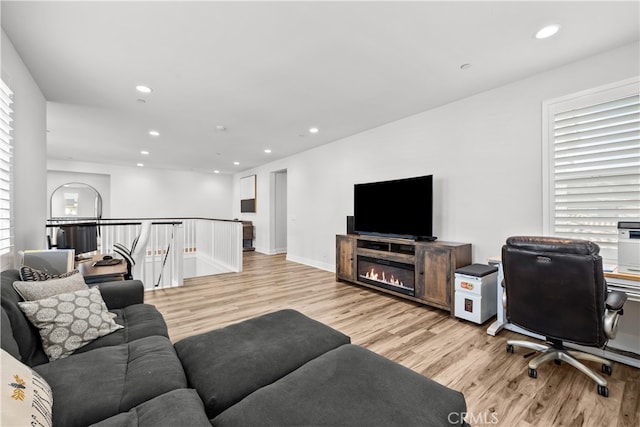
<point>556,288</point>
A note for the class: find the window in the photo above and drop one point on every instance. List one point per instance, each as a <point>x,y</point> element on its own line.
<point>591,143</point>
<point>6,224</point>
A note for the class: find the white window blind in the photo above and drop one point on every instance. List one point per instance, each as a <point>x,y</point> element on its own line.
<point>592,147</point>
<point>6,222</point>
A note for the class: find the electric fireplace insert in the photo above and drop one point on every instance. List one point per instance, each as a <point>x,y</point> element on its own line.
<point>393,275</point>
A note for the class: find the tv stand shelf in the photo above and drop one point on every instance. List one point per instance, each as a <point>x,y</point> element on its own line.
<point>434,264</point>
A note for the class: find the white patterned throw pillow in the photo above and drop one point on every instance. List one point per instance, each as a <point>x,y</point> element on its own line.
<point>26,397</point>
<point>69,321</point>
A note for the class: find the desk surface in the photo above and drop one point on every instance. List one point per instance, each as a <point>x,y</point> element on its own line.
<point>624,276</point>
<point>90,271</point>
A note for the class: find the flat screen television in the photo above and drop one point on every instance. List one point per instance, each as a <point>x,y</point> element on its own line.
<point>83,237</point>
<point>398,208</point>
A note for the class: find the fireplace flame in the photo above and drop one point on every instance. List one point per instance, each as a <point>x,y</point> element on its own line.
<point>374,275</point>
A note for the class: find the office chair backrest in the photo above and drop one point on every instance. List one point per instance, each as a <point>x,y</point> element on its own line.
<point>556,288</point>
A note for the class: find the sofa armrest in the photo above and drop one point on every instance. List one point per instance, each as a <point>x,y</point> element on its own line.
<point>121,293</point>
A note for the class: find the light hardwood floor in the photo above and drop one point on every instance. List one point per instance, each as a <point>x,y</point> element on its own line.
<point>453,352</point>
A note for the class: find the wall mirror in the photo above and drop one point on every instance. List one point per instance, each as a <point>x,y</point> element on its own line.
<point>248,194</point>
<point>75,200</point>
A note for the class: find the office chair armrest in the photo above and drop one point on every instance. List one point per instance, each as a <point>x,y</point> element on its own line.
<point>504,295</point>
<point>615,300</point>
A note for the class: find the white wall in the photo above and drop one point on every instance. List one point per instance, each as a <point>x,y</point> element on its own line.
<point>29,154</point>
<point>147,192</point>
<point>484,152</point>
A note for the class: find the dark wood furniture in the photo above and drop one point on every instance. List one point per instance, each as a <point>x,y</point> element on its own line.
<point>93,273</point>
<point>434,263</point>
<point>247,236</point>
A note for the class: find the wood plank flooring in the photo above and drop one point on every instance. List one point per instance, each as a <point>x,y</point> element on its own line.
<point>453,352</point>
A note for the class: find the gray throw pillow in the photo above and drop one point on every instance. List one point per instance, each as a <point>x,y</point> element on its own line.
<point>69,321</point>
<point>30,291</point>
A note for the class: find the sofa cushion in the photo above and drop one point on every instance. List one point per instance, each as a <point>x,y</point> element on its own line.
<point>176,408</point>
<point>348,386</point>
<point>138,321</point>
<point>69,321</point>
<point>26,397</point>
<point>227,364</point>
<point>121,293</point>
<point>40,289</point>
<point>32,274</point>
<point>92,386</point>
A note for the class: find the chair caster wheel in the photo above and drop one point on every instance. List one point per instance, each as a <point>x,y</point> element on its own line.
<point>557,361</point>
<point>533,373</point>
<point>607,369</point>
<point>510,348</point>
<point>603,391</point>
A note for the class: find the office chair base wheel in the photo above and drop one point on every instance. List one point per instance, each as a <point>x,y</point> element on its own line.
<point>509,348</point>
<point>607,369</point>
<point>603,390</point>
<point>557,361</point>
<point>533,373</point>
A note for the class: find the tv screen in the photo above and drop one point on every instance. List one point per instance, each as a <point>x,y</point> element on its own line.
<point>397,208</point>
<point>83,237</point>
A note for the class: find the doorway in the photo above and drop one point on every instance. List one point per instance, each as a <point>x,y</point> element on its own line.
<point>278,240</point>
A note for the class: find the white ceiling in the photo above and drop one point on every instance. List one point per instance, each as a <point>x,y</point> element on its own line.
<point>268,71</point>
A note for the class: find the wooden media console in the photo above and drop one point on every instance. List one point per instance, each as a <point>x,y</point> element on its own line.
<point>420,271</point>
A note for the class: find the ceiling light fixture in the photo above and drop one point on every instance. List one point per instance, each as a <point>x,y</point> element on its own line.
<point>143,89</point>
<point>144,152</point>
<point>216,171</point>
<point>221,128</point>
<point>236,163</point>
<point>314,130</point>
<point>140,164</point>
<point>154,133</point>
<point>547,31</point>
<point>267,151</point>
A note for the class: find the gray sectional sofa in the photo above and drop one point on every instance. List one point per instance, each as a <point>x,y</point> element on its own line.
<point>278,369</point>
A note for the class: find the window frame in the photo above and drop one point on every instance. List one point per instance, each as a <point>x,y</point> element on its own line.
<point>6,173</point>
<point>550,108</point>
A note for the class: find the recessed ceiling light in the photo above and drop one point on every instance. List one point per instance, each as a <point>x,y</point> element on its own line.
<point>314,130</point>
<point>144,152</point>
<point>154,133</point>
<point>236,163</point>
<point>267,151</point>
<point>216,171</point>
<point>547,31</point>
<point>143,89</point>
<point>140,164</point>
